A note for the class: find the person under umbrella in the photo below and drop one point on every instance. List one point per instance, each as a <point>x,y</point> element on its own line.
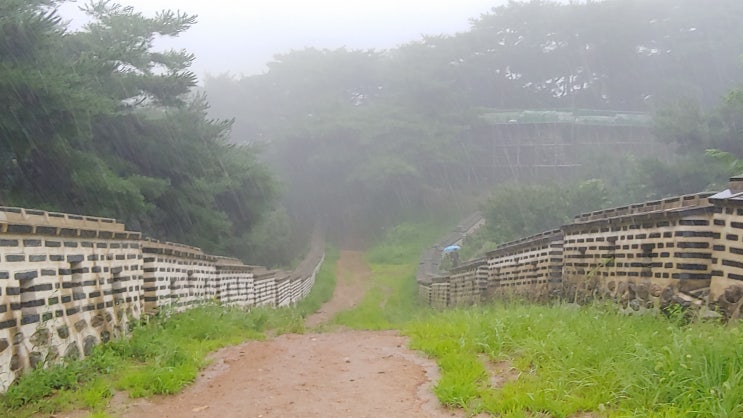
<point>453,252</point>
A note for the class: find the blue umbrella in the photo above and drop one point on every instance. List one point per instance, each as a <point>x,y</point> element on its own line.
<point>452,248</point>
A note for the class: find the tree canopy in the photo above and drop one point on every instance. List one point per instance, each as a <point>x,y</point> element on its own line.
<point>97,121</point>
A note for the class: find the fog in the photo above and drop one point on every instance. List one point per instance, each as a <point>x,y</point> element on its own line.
<point>241,36</point>
<point>552,108</point>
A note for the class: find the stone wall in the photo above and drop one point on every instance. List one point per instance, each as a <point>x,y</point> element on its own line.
<point>643,255</point>
<point>428,268</point>
<point>685,251</point>
<point>529,267</point>
<point>179,276</point>
<point>68,282</point>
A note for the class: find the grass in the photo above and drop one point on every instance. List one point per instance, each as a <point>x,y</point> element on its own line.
<point>322,291</point>
<point>161,356</point>
<point>594,359</point>
<point>392,298</point>
<point>388,304</point>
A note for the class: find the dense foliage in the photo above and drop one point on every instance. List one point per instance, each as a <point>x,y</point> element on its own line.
<point>96,121</point>
<point>363,137</point>
<point>516,212</point>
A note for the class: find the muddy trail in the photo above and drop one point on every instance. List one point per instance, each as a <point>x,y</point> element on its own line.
<point>341,373</point>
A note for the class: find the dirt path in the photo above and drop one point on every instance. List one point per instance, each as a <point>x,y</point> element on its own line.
<point>335,374</point>
<point>352,279</point>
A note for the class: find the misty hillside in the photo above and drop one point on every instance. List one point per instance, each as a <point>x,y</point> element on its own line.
<point>363,137</point>
<point>537,112</point>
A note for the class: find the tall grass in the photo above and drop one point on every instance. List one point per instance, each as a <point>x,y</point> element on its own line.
<point>589,359</point>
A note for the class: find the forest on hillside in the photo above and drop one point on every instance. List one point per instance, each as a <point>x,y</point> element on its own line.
<point>539,111</point>
<point>365,137</point>
<point>96,121</point>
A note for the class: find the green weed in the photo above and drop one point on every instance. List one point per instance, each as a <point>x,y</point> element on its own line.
<point>389,303</point>
<point>403,244</point>
<point>95,395</point>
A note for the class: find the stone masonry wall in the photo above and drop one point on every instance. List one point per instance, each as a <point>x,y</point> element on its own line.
<point>726,287</point>
<point>178,276</point>
<point>529,267</point>
<point>68,282</point>
<point>686,251</point>
<point>641,258</point>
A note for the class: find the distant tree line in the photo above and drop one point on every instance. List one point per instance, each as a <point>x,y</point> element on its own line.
<point>96,121</point>
<point>364,137</point>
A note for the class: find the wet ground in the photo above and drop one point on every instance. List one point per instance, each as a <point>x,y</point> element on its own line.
<point>340,373</point>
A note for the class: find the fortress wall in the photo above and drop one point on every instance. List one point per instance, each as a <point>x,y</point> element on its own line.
<point>529,267</point>
<point>283,291</point>
<point>726,288</point>
<point>235,286</point>
<point>178,276</point>
<point>66,283</point>
<point>69,282</point>
<point>685,250</point>
<point>264,284</point>
<point>642,260</point>
<point>440,293</point>
<point>464,284</point>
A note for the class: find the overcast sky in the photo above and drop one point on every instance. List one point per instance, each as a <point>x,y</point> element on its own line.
<point>241,36</point>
